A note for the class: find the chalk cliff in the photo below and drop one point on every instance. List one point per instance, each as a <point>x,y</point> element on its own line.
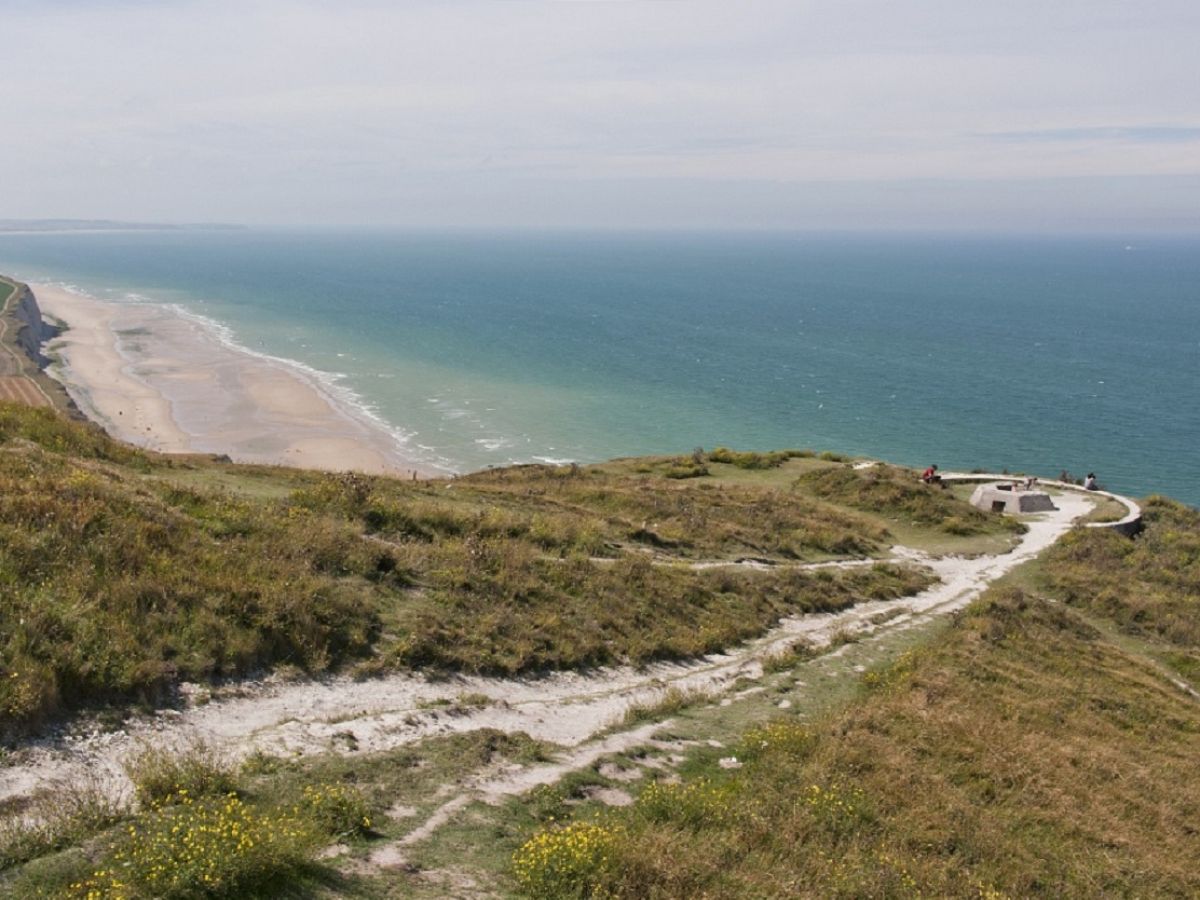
<point>32,331</point>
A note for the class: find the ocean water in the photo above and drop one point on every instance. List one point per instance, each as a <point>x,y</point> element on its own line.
<point>1036,354</point>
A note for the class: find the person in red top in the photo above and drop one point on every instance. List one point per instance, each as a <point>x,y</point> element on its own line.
<point>930,475</point>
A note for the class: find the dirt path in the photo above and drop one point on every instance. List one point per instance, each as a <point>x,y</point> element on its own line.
<point>565,708</point>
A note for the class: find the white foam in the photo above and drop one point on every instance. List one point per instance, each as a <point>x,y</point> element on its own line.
<point>344,399</point>
<point>493,444</point>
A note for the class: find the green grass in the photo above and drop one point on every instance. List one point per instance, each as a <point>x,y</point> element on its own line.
<point>7,289</point>
<point>1106,510</point>
<point>670,701</point>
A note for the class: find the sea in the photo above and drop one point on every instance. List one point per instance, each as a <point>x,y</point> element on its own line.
<point>1021,353</point>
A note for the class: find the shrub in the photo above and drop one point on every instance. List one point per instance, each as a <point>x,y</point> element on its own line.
<point>566,862</point>
<point>696,804</point>
<point>216,846</point>
<point>158,774</point>
<point>753,460</point>
<point>337,810</point>
<point>772,740</point>
<point>688,470</point>
<point>787,658</point>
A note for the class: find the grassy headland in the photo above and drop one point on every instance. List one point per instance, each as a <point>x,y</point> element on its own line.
<point>1039,746</point>
<point>125,573</point>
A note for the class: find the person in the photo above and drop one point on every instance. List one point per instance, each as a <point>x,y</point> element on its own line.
<point>930,475</point>
<point>1089,483</point>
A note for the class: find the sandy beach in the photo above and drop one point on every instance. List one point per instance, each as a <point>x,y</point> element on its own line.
<point>160,380</point>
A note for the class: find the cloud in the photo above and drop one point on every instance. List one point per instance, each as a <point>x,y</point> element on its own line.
<point>218,109</point>
<point>1148,134</point>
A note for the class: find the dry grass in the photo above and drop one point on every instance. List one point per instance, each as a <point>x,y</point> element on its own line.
<point>194,771</point>
<point>123,572</point>
<point>669,701</point>
<point>58,816</point>
<point>1149,586</point>
<point>1022,755</point>
<point>897,494</point>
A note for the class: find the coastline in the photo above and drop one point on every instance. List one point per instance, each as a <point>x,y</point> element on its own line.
<point>158,378</point>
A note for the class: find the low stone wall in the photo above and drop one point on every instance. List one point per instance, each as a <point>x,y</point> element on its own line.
<point>1129,525</point>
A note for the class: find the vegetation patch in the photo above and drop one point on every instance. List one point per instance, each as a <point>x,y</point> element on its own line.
<point>125,572</point>
<point>671,700</point>
<point>158,774</point>
<point>59,816</point>
<point>1149,585</point>
<point>115,588</point>
<point>1023,755</point>
<point>897,493</point>
<point>581,613</point>
<point>754,460</point>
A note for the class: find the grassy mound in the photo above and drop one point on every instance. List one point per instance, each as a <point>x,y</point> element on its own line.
<point>115,587</point>
<point>897,494</point>
<point>1150,586</point>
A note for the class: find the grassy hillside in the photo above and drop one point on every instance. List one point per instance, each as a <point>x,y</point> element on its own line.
<point>1043,744</point>
<point>124,573</point>
<point>1149,587</point>
<point>893,493</point>
<point>1035,749</point>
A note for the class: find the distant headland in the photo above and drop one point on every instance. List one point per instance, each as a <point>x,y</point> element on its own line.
<point>10,226</point>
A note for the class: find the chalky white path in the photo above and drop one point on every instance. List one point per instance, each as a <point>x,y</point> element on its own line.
<point>288,718</point>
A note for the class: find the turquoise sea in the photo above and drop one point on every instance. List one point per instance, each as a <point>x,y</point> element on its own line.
<point>1037,354</point>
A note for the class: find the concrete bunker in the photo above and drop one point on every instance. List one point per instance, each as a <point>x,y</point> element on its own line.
<point>1009,497</point>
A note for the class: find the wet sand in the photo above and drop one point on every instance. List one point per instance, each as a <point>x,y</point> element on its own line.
<point>161,380</point>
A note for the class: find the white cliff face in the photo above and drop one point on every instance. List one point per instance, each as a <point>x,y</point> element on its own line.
<point>33,330</point>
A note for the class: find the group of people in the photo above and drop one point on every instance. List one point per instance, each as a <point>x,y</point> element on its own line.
<point>931,476</point>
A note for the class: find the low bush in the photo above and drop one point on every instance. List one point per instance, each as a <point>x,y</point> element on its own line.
<point>336,810</point>
<point>566,862</point>
<point>158,774</point>
<point>672,700</point>
<point>753,460</point>
<point>211,847</point>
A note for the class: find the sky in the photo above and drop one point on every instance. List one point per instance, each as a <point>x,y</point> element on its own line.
<point>843,114</point>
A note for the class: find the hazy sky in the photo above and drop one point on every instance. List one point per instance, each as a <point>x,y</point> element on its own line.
<point>739,113</point>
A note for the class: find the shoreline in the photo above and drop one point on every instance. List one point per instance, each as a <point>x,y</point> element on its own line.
<point>167,380</point>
